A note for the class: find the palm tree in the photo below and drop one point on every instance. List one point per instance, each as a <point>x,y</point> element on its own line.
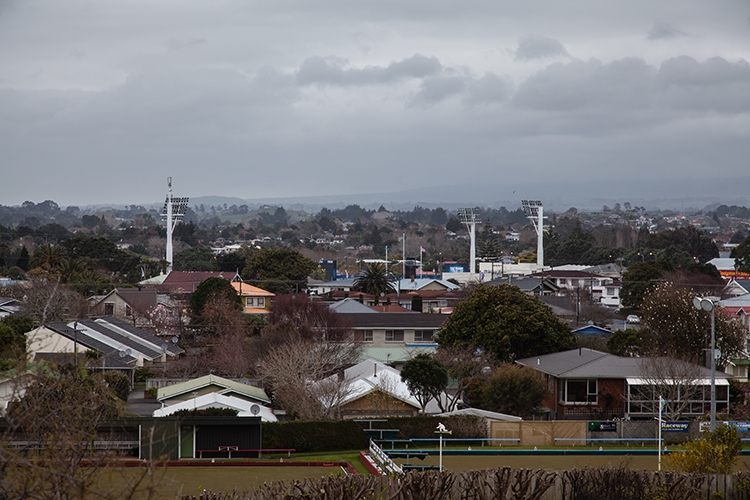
<point>374,280</point>
<point>48,257</point>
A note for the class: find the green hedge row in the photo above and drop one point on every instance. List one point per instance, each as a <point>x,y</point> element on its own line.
<point>337,435</point>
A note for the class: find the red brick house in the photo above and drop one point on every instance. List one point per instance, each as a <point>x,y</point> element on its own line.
<point>588,384</point>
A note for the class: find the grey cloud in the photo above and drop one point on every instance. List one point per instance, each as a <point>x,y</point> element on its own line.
<point>487,90</point>
<point>715,84</point>
<point>539,47</point>
<point>662,30</point>
<point>181,44</point>
<point>584,84</point>
<point>434,90</point>
<point>330,71</point>
<point>630,93</point>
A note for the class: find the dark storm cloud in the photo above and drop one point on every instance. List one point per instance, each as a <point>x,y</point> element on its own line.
<point>331,71</point>
<point>539,47</point>
<point>663,30</point>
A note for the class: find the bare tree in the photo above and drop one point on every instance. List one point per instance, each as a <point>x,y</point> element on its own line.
<point>678,381</point>
<point>332,392</point>
<point>48,300</point>
<point>292,371</point>
<point>464,364</point>
<point>47,449</point>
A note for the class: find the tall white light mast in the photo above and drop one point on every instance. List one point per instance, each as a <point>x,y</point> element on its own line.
<point>535,212</point>
<point>173,213</point>
<point>470,217</point>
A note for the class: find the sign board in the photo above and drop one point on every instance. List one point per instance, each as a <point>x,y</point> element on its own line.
<point>704,426</point>
<point>741,426</point>
<point>602,426</point>
<point>675,426</point>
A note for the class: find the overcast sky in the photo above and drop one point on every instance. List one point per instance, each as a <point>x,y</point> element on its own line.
<point>100,101</point>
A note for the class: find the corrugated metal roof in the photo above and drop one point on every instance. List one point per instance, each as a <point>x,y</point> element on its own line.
<point>197,383</point>
<point>143,336</point>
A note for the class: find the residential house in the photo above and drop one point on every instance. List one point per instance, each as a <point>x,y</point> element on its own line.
<point>736,287</point>
<point>532,285</point>
<point>739,308</point>
<point>9,307</point>
<point>390,332</point>
<point>210,384</point>
<point>599,288</point>
<point>254,300</point>
<point>371,389</point>
<point>186,282</point>
<point>115,342</point>
<point>130,304</point>
<point>589,384</point>
<point>243,407</point>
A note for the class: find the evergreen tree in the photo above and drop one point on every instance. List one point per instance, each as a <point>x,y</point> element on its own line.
<point>487,244</point>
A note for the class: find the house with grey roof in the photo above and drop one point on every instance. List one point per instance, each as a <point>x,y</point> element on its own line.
<point>9,306</point>
<point>115,341</point>
<point>589,384</point>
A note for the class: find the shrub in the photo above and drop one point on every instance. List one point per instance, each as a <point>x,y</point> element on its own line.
<point>119,383</point>
<point>716,453</point>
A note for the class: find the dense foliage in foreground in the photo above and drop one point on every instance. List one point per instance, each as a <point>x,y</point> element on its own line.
<point>578,484</point>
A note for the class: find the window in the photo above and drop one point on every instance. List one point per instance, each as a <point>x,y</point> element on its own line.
<point>394,335</point>
<point>562,281</point>
<point>423,335</point>
<point>611,290</point>
<point>580,391</point>
<point>128,311</point>
<point>260,302</point>
<point>363,335</point>
<point>249,302</point>
<point>109,308</point>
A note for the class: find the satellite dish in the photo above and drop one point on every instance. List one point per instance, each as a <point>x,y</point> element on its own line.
<point>244,380</point>
<point>255,409</point>
<point>697,303</point>
<point>175,339</point>
<point>122,354</point>
<point>164,347</point>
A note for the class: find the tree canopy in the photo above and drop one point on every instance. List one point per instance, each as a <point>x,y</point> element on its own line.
<point>506,323</point>
<point>674,327</point>
<point>514,390</point>
<point>374,280</point>
<point>212,288</point>
<point>426,378</point>
<point>741,254</point>
<point>640,278</point>
<point>278,270</point>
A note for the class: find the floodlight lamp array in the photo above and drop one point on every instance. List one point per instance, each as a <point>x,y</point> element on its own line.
<point>179,208</point>
<point>468,215</point>
<point>531,207</point>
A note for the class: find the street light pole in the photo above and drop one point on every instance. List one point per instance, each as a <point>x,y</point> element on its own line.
<point>708,305</point>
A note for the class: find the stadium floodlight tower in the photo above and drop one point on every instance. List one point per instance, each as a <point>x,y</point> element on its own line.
<point>173,213</point>
<point>535,212</point>
<point>470,217</point>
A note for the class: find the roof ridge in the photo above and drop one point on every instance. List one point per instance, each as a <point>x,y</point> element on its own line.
<point>603,354</point>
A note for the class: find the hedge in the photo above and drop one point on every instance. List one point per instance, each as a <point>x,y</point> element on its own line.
<point>337,435</point>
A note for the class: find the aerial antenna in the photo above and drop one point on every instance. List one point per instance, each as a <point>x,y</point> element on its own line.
<point>173,212</point>
<point>535,212</point>
<point>470,217</point>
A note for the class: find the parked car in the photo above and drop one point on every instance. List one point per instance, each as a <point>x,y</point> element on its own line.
<point>632,318</point>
